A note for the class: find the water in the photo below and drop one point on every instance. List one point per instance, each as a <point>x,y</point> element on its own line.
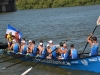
<point>55,24</point>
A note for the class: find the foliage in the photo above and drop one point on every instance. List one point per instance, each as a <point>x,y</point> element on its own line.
<point>31,4</point>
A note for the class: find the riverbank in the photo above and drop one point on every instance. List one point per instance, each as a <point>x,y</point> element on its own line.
<point>37,4</point>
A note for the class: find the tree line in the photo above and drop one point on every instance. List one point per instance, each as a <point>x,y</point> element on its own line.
<point>34,4</point>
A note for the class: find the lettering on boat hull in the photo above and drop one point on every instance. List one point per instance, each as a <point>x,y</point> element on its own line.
<point>93,59</point>
<point>57,62</point>
<point>76,62</point>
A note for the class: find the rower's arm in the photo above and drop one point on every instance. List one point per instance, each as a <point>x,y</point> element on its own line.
<point>89,39</point>
<point>11,47</point>
<point>20,49</point>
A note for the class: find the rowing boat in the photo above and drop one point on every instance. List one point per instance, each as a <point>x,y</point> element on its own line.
<point>90,63</point>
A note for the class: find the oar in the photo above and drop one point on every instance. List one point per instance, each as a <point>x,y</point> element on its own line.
<point>98,23</point>
<point>12,59</point>
<point>4,57</point>
<point>16,63</point>
<point>24,73</point>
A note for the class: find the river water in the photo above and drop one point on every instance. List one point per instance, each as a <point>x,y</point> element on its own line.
<point>57,24</point>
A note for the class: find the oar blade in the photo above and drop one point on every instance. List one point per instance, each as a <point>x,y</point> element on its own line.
<point>24,73</point>
<point>98,21</point>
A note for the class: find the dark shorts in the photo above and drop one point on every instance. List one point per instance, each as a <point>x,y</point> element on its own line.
<point>10,43</point>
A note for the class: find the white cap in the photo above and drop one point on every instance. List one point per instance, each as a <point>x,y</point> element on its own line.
<point>14,40</point>
<point>30,41</point>
<point>23,41</point>
<point>48,45</point>
<point>50,41</point>
<point>41,43</point>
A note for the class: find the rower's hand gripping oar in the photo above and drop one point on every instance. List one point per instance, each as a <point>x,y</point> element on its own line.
<point>25,72</point>
<point>98,23</point>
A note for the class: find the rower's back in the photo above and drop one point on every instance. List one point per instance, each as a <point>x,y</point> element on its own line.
<point>95,47</point>
<point>74,53</point>
<point>15,47</point>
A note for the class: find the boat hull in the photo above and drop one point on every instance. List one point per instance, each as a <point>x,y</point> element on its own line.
<point>88,63</point>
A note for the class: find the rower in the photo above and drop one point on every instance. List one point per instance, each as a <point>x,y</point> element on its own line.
<point>15,46</point>
<point>53,48</point>
<point>93,44</point>
<point>23,47</point>
<point>49,54</point>
<point>32,49</point>
<point>30,46</point>
<point>42,50</point>
<point>64,52</point>
<point>40,47</point>
<point>74,53</point>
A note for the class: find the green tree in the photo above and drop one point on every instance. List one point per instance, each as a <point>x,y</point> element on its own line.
<point>30,4</point>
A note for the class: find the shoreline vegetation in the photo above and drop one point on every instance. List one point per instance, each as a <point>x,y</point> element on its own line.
<point>38,4</point>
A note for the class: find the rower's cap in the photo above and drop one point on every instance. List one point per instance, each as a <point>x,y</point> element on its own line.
<point>48,45</point>
<point>14,40</point>
<point>23,41</point>
<point>50,41</point>
<point>30,41</point>
<point>41,44</point>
